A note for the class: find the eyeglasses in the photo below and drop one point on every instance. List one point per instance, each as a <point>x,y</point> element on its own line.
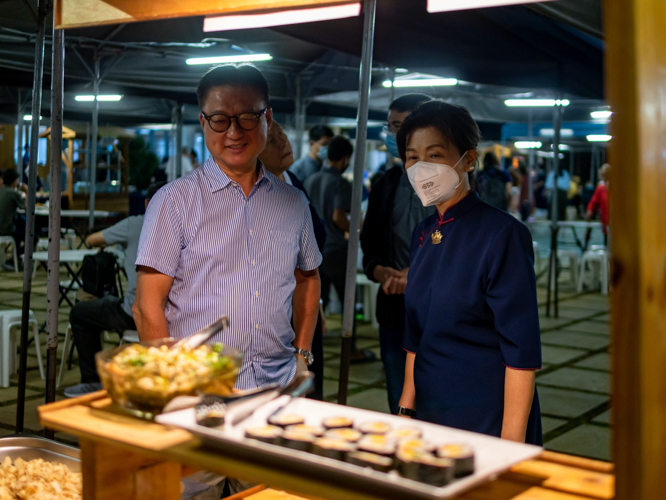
<point>219,122</point>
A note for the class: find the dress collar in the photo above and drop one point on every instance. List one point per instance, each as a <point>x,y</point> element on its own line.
<point>471,200</point>
<point>218,180</point>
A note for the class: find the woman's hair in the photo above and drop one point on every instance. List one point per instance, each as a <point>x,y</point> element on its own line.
<point>453,122</point>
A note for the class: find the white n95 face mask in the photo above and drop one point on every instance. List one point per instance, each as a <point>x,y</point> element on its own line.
<point>434,183</point>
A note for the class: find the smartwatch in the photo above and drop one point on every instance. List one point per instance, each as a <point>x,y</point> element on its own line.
<point>309,357</point>
<point>408,412</point>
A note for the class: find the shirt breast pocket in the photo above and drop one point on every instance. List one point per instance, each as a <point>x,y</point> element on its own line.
<point>283,250</point>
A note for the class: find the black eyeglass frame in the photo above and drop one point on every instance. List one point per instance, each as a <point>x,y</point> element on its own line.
<point>256,114</point>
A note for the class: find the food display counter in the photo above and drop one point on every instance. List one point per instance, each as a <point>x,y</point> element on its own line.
<point>126,457</point>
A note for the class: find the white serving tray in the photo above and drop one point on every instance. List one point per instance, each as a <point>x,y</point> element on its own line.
<point>493,455</point>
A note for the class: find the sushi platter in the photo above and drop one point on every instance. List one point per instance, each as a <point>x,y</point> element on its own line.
<point>369,450</point>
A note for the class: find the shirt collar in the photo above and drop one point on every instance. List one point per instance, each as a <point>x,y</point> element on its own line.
<point>463,206</point>
<point>218,180</point>
<point>328,168</point>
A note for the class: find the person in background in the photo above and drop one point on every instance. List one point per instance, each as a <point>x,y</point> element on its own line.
<point>562,192</point>
<point>394,210</point>
<point>310,164</point>
<point>11,199</point>
<point>194,159</point>
<point>186,165</point>
<point>514,193</point>
<point>90,318</point>
<point>599,201</point>
<point>472,322</point>
<point>494,183</point>
<point>277,157</point>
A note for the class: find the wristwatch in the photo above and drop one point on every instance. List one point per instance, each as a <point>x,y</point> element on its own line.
<point>408,412</point>
<point>309,358</point>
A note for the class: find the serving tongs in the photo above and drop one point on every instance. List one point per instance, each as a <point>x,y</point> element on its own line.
<point>204,334</point>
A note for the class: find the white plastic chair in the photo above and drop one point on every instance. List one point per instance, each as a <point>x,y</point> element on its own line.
<point>129,337</point>
<point>9,356</point>
<point>573,256</point>
<point>5,241</point>
<point>370,289</point>
<point>597,258</point>
<point>537,257</point>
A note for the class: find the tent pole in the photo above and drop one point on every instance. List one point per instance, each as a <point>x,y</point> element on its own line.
<point>178,114</point>
<point>43,10</point>
<point>530,164</point>
<point>370,7</point>
<point>390,160</point>
<point>19,122</point>
<point>554,228</point>
<point>298,111</point>
<point>55,192</point>
<point>93,144</point>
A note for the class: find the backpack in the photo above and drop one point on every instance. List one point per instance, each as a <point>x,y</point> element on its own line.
<point>492,189</point>
<point>98,274</point>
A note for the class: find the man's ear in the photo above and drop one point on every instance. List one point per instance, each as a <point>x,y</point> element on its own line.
<point>201,120</point>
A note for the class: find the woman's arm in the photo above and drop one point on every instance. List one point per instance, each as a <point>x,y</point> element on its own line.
<point>518,396</point>
<point>408,390</point>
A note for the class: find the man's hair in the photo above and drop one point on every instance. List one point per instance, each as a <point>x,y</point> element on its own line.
<point>408,102</point>
<point>490,160</point>
<point>235,75</point>
<point>319,131</point>
<point>339,147</point>
<point>154,188</point>
<point>9,176</point>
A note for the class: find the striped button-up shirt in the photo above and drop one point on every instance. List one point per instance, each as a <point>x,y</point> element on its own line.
<point>232,255</point>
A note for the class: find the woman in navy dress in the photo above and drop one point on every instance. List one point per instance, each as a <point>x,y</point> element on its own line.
<point>472,326</point>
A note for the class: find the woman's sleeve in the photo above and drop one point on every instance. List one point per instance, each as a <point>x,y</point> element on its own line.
<point>511,295</point>
<point>412,335</point>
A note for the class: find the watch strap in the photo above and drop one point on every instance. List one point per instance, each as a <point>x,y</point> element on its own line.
<point>408,412</point>
<point>309,357</point>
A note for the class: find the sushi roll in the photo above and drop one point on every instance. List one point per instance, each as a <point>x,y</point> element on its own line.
<point>365,459</point>
<point>417,444</point>
<point>270,434</point>
<point>210,412</point>
<point>337,423</point>
<point>377,444</point>
<point>405,433</point>
<point>286,420</point>
<point>346,434</point>
<point>314,430</point>
<point>333,448</point>
<point>462,456</point>
<point>424,467</point>
<point>296,440</point>
<point>374,428</point>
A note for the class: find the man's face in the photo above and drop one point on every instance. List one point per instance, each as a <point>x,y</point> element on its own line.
<point>236,148</point>
<point>395,119</point>
<point>315,146</point>
<point>277,156</point>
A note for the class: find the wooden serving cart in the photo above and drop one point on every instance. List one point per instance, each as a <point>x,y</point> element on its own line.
<point>124,457</point>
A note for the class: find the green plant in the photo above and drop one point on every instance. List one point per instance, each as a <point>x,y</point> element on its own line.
<point>142,163</point>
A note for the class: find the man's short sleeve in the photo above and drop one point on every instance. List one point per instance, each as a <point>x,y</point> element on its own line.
<point>309,257</point>
<point>162,235</point>
<point>118,233</point>
<point>343,197</point>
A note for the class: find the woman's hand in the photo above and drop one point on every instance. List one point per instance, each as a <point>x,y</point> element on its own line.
<point>518,396</point>
<point>408,390</point>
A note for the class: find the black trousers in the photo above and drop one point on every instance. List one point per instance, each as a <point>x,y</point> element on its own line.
<point>336,279</point>
<point>317,367</point>
<point>89,319</point>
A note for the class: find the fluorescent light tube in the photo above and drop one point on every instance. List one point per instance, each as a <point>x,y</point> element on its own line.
<point>447,5</point>
<point>549,132</point>
<point>601,115</point>
<point>100,98</point>
<point>421,82</point>
<point>536,102</point>
<point>28,118</point>
<point>282,18</point>
<point>527,144</point>
<point>599,138</point>
<point>229,59</point>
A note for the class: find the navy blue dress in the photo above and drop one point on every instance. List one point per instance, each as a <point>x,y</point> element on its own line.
<point>471,311</point>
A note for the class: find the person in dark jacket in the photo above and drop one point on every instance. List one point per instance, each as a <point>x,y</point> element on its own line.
<point>277,157</point>
<point>393,212</point>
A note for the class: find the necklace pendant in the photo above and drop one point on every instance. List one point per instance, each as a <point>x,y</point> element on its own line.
<point>436,237</point>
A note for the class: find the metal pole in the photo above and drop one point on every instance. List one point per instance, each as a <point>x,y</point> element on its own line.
<point>390,160</point>
<point>53,266</point>
<point>571,162</point>
<point>554,228</point>
<point>370,7</point>
<point>88,150</point>
<point>297,119</point>
<point>19,122</point>
<point>179,139</point>
<point>530,164</point>
<point>93,145</point>
<point>43,9</point>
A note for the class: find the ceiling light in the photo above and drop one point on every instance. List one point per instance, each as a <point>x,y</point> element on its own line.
<point>527,144</point>
<point>536,102</point>
<point>229,59</point>
<point>599,138</point>
<point>100,98</point>
<point>601,115</point>
<point>28,118</point>
<point>447,5</point>
<point>401,71</point>
<point>421,82</point>
<point>292,16</point>
<point>549,132</point>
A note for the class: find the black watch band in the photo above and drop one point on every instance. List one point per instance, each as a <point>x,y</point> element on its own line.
<point>408,412</point>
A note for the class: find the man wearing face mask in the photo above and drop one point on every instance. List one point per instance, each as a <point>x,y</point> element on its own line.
<point>394,210</point>
<point>320,136</point>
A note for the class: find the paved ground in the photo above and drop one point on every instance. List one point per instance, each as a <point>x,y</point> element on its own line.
<point>573,384</point>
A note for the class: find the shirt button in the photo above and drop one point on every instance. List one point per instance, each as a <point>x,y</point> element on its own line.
<point>256,327</point>
<point>254,358</point>
<point>254,263</point>
<point>256,294</point>
<point>250,231</point>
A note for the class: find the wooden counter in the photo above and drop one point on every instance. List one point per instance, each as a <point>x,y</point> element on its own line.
<point>123,457</point>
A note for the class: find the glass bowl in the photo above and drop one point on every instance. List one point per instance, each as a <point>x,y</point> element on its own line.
<point>142,378</point>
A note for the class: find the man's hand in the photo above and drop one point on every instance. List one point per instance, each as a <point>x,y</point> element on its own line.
<point>392,281</point>
<point>301,364</point>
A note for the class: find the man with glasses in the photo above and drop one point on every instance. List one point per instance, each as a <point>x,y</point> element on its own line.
<point>230,239</point>
<point>394,210</point>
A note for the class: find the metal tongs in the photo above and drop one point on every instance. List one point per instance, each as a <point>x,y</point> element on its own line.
<point>204,334</point>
